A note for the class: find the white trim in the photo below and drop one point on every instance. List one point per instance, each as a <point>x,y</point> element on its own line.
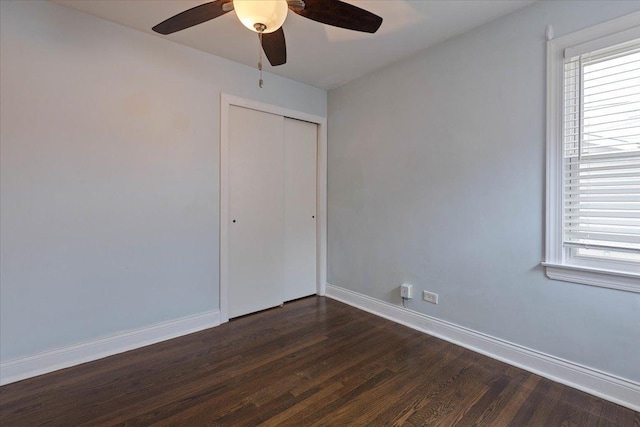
<point>64,357</point>
<point>226,101</point>
<point>610,387</point>
<point>555,258</point>
<point>594,277</point>
<point>602,42</point>
<point>553,242</point>
<point>601,30</point>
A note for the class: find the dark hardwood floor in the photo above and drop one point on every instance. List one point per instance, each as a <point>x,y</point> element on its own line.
<point>313,362</point>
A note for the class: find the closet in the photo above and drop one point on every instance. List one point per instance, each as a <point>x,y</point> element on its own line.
<point>272,210</point>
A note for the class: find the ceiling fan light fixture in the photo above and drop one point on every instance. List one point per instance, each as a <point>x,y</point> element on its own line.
<point>268,15</point>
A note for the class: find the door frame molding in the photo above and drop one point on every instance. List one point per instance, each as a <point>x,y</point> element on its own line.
<point>226,101</point>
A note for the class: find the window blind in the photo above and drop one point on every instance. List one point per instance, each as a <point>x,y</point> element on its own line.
<point>601,149</point>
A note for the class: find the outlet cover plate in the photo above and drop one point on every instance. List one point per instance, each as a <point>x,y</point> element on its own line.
<point>431,297</point>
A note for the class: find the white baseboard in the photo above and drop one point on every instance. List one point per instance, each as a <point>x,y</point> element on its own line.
<point>618,390</point>
<point>64,357</point>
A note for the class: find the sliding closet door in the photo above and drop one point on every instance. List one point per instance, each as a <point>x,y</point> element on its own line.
<point>256,211</point>
<point>300,154</point>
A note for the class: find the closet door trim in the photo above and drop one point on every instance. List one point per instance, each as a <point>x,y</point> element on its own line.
<point>226,101</point>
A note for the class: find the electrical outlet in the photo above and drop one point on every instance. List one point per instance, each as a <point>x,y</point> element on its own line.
<point>431,297</point>
<point>406,291</point>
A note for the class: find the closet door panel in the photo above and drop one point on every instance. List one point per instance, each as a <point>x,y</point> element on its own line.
<point>300,154</point>
<point>256,211</point>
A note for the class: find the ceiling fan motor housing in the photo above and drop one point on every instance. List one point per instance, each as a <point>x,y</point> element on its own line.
<point>261,15</point>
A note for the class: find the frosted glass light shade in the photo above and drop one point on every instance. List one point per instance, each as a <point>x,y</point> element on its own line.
<point>271,13</point>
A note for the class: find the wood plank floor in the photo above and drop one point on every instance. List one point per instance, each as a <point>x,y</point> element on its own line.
<point>313,362</point>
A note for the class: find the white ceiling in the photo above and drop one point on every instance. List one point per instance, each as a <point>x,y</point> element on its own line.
<point>317,54</point>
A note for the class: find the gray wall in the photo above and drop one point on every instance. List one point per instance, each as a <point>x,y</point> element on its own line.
<point>109,175</point>
<point>436,177</point>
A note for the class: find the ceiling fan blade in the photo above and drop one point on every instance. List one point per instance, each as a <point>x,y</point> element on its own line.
<point>340,14</point>
<point>194,16</point>
<point>274,47</point>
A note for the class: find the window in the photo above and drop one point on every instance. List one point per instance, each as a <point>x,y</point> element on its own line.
<point>593,156</point>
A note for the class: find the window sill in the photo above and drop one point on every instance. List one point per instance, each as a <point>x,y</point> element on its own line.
<point>623,281</point>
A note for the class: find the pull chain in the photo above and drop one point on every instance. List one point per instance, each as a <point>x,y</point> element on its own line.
<point>260,82</point>
<point>260,29</point>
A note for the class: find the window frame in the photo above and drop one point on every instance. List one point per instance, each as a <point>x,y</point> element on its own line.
<point>556,263</point>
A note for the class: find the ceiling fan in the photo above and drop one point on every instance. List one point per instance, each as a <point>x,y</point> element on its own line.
<point>266,17</point>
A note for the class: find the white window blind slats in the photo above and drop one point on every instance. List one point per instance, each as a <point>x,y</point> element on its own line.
<point>630,189</point>
<point>604,247</point>
<point>587,216</point>
<point>605,87</point>
<point>603,158</point>
<point>609,127</point>
<point>610,221</point>
<point>611,142</point>
<point>593,207</point>
<point>622,229</point>
<point>587,177</point>
<point>613,198</point>
<point>601,151</point>
<point>620,73</point>
<point>596,167</point>
<point>611,239</point>
<point>605,118</point>
<point>612,100</point>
